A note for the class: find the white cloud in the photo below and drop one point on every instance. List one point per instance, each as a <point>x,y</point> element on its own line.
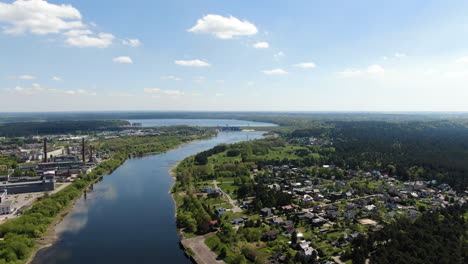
<point>87,38</point>
<point>399,54</point>
<point>223,27</point>
<point>375,69</point>
<point>275,72</point>
<point>372,69</point>
<point>305,65</point>
<point>36,88</point>
<point>23,77</point>
<point>171,77</point>
<point>55,78</point>
<point>250,83</point>
<point>122,59</point>
<point>219,94</point>
<point>261,45</point>
<point>132,42</point>
<point>278,55</point>
<point>193,63</point>
<point>164,92</point>
<point>350,72</point>
<point>220,81</point>
<point>38,17</point>
<point>462,59</point>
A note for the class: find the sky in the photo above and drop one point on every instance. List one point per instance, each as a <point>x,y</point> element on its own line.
<point>218,55</point>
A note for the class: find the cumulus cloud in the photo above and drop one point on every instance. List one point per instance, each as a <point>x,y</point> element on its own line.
<point>275,72</point>
<point>38,17</point>
<point>132,42</point>
<point>55,78</point>
<point>305,65</point>
<point>223,27</point>
<point>278,55</point>
<point>23,77</point>
<point>171,77</point>
<point>36,88</point>
<point>399,54</point>
<point>122,59</point>
<point>261,45</point>
<point>164,92</point>
<point>192,63</point>
<point>372,69</point>
<point>87,38</point>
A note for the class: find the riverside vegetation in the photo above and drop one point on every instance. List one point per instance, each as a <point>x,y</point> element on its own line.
<point>351,190</point>
<point>20,234</point>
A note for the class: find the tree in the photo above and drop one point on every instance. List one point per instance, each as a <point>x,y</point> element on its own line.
<point>294,238</point>
<point>223,253</point>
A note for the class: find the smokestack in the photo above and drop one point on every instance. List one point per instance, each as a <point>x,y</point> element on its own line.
<point>90,153</point>
<point>83,148</point>
<point>45,150</point>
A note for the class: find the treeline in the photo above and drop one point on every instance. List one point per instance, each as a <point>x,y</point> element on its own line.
<point>19,234</point>
<point>21,129</point>
<point>435,237</point>
<point>432,150</point>
<point>439,149</point>
<point>202,157</point>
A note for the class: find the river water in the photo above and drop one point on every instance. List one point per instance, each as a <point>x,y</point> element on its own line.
<point>129,216</point>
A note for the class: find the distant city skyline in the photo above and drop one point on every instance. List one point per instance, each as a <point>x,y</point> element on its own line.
<point>233,56</point>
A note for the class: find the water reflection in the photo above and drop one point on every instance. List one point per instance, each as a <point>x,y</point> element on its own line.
<point>128,217</point>
<point>78,217</point>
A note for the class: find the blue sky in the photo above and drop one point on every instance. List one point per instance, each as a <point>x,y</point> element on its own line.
<point>233,55</point>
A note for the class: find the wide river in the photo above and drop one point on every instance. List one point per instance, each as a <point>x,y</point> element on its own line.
<point>129,216</point>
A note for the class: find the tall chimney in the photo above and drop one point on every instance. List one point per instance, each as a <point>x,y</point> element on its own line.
<point>45,150</point>
<point>90,153</point>
<point>83,148</point>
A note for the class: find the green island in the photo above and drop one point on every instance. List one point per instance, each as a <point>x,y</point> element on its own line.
<point>20,235</point>
<point>331,192</point>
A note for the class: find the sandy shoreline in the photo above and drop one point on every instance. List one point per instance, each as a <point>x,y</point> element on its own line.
<point>51,237</point>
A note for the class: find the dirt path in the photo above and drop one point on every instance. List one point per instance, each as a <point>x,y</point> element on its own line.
<point>203,254</point>
<point>235,208</point>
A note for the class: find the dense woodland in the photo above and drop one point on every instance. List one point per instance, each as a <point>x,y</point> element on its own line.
<point>436,150</point>
<point>435,237</point>
<point>21,129</point>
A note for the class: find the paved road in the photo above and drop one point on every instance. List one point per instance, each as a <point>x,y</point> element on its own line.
<point>235,208</point>
<point>203,254</point>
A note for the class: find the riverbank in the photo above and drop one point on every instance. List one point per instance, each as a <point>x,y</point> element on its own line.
<point>140,189</point>
<point>35,229</point>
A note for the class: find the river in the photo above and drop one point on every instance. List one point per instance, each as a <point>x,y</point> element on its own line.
<point>129,216</point>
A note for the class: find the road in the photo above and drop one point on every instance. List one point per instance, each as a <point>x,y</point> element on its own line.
<point>203,254</point>
<point>235,207</point>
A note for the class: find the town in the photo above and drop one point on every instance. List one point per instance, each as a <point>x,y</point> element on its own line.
<point>310,214</point>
